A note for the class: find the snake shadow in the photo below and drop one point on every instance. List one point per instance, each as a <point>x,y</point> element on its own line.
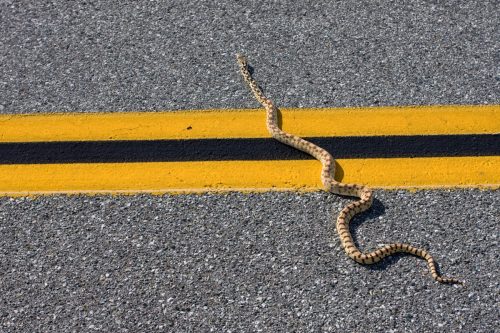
<point>251,70</point>
<point>279,117</point>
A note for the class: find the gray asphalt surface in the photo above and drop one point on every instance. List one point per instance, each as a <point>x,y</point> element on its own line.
<point>238,262</point>
<point>245,262</point>
<point>151,55</point>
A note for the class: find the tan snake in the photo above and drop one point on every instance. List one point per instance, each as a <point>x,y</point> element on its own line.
<point>330,184</point>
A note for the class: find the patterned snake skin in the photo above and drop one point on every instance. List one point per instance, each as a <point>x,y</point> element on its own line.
<point>330,184</point>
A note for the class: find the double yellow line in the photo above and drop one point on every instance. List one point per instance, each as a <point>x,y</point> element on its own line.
<point>255,175</point>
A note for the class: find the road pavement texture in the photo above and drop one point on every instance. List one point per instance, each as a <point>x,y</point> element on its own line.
<point>245,262</point>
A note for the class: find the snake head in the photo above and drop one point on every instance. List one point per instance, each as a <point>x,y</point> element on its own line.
<point>241,59</point>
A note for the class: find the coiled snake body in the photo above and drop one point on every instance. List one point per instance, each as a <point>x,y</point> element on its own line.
<point>330,184</point>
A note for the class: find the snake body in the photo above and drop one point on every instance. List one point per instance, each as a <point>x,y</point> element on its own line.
<point>364,194</point>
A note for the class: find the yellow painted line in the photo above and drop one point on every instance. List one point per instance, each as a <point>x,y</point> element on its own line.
<point>165,177</point>
<point>199,124</point>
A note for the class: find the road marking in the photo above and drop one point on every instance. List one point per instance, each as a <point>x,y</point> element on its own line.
<point>193,151</point>
<point>160,177</point>
<point>206,124</point>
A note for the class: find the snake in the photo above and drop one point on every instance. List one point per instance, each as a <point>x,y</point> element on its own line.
<point>364,193</point>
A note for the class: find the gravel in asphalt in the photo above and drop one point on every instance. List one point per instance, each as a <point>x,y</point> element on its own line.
<point>237,262</point>
<point>161,55</point>
<point>245,262</point>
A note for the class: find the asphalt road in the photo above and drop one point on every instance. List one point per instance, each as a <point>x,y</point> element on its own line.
<point>245,262</point>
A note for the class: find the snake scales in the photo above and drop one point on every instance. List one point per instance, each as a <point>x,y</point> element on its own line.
<point>364,194</point>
